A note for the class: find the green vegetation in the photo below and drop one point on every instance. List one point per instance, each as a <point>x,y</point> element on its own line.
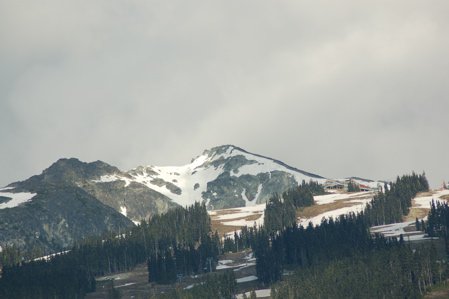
<point>395,202</point>
<point>304,247</point>
<point>437,224</point>
<point>280,212</point>
<point>397,272</point>
<point>71,275</point>
<point>217,285</point>
<point>353,187</point>
<point>241,240</point>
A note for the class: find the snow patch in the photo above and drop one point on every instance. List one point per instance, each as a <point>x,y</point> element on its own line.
<point>331,198</point>
<point>186,177</point>
<point>425,201</point>
<point>48,257</point>
<point>236,216</point>
<point>112,178</point>
<point>123,211</point>
<point>6,188</point>
<point>222,267</point>
<point>16,199</point>
<point>125,285</point>
<point>246,279</point>
<point>392,230</point>
<point>395,230</point>
<point>259,190</point>
<point>357,208</point>
<point>259,294</point>
<point>243,266</point>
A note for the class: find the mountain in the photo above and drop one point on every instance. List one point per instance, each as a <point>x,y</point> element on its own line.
<point>72,199</point>
<point>54,217</point>
<point>125,196</point>
<point>223,177</point>
<point>65,203</point>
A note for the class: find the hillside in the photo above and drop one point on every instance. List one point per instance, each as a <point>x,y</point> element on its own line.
<point>223,177</point>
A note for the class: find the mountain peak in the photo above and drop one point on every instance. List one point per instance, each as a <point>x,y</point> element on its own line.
<point>69,171</point>
<point>220,150</point>
<point>65,165</point>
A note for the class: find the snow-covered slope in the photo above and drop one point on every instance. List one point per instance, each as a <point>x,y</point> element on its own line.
<point>224,176</point>
<point>326,206</point>
<point>424,200</point>
<point>14,199</point>
<point>335,205</point>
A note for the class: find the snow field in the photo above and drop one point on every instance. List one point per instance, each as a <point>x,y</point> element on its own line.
<point>125,285</point>
<point>397,229</point>
<point>16,199</point>
<point>123,211</point>
<point>233,216</point>
<point>259,294</point>
<point>332,214</point>
<point>113,178</point>
<point>358,202</point>
<point>331,198</point>
<point>392,230</point>
<point>246,279</point>
<point>425,201</point>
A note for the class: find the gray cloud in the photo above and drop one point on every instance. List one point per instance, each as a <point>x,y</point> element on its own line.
<point>339,89</point>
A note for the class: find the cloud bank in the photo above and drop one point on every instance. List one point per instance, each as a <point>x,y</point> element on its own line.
<point>338,89</point>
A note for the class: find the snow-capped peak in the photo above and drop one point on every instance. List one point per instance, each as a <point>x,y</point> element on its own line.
<point>223,176</point>
<point>198,180</point>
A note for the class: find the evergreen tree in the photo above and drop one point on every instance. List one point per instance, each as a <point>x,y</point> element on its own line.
<point>353,186</point>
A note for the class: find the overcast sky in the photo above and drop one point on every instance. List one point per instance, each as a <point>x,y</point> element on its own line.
<point>337,88</point>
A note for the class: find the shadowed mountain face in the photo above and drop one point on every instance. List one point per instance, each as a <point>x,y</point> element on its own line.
<point>73,199</point>
<point>56,217</point>
<point>131,199</point>
<point>67,204</point>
